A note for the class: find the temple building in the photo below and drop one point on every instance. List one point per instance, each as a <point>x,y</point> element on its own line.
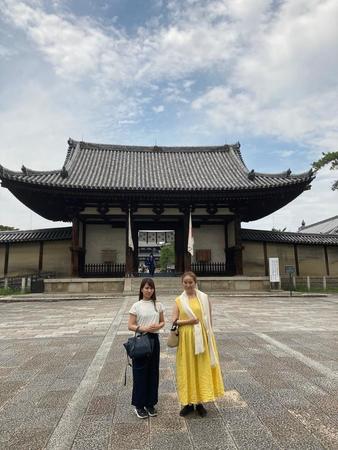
<point>115,196</point>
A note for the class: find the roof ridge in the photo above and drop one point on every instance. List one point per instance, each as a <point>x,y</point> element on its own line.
<point>99,146</point>
<point>34,230</point>
<point>284,232</point>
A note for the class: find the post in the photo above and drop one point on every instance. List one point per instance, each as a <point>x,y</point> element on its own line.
<point>308,283</point>
<point>6,283</point>
<point>294,282</point>
<point>324,283</point>
<point>6,259</point>
<point>23,285</point>
<point>40,257</point>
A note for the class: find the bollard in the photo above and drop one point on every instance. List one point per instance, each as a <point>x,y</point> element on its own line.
<point>23,285</point>
<point>324,283</point>
<point>294,282</point>
<point>308,283</point>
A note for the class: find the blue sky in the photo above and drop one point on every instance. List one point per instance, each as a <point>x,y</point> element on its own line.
<point>175,72</point>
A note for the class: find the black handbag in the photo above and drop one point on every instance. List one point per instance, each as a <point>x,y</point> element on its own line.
<point>139,346</point>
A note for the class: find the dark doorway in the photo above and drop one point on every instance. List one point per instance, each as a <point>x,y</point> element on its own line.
<point>156,252</point>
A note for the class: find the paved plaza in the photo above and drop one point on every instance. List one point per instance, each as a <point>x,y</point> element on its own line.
<point>62,377</point>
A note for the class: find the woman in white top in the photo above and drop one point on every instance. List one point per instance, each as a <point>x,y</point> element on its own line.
<point>146,316</point>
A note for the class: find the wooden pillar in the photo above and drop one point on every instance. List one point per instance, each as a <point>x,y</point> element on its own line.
<point>295,250</point>
<point>326,261</point>
<point>266,262</point>
<point>187,256</point>
<point>75,249</point>
<point>40,257</point>
<point>238,248</point>
<point>226,240</point>
<point>129,251</point>
<point>6,259</point>
<point>179,247</point>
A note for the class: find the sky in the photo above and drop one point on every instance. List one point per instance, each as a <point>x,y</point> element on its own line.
<point>174,72</point>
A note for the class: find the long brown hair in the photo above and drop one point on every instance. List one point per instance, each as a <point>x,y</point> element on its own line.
<point>151,283</point>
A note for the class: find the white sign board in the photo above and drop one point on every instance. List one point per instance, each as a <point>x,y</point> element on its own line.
<point>274,270</point>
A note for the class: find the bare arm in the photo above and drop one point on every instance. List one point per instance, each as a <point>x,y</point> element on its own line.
<point>132,325</point>
<point>180,322</point>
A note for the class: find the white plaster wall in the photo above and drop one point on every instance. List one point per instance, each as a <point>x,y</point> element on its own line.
<point>210,237</point>
<point>104,237</point>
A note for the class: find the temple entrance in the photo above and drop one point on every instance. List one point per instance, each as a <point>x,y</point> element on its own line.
<point>156,252</point>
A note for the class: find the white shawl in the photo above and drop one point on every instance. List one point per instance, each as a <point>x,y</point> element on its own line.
<point>199,345</point>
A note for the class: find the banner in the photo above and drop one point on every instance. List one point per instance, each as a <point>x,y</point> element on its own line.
<point>130,236</point>
<point>190,238</point>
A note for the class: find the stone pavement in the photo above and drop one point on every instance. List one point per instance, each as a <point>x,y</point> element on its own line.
<point>62,367</point>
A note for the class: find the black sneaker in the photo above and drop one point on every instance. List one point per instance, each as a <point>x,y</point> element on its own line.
<point>141,413</point>
<point>187,409</point>
<point>151,411</point>
<point>201,411</point>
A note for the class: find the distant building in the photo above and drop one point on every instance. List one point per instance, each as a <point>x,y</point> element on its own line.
<point>327,226</point>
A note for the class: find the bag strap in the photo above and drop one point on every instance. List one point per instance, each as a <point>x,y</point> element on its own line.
<point>125,370</point>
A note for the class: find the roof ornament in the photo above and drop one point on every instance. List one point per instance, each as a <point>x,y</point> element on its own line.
<point>24,170</point>
<point>288,172</point>
<point>71,143</point>
<point>303,223</point>
<point>237,145</point>
<point>251,175</point>
<point>64,172</point>
<point>156,148</point>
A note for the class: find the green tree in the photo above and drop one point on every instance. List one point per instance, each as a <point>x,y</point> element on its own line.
<point>7,228</point>
<point>328,158</point>
<point>167,256</point>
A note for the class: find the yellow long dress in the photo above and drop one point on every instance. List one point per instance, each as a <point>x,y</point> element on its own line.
<point>197,381</point>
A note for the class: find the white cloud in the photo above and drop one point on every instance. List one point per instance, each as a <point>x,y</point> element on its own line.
<point>158,109</point>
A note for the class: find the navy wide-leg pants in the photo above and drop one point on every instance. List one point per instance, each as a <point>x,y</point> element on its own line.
<point>146,377</point>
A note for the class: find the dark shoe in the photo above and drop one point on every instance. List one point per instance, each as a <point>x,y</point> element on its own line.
<point>201,411</point>
<point>187,409</point>
<point>151,411</point>
<point>141,413</point>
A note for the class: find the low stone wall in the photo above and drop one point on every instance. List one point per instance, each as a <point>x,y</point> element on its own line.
<point>236,283</point>
<point>83,286</point>
<point>131,285</point>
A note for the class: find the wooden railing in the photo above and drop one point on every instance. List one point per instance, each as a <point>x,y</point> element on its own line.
<point>104,270</point>
<point>209,268</point>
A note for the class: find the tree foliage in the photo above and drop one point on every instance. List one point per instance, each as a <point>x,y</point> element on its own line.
<point>167,256</point>
<point>328,158</point>
<point>7,228</point>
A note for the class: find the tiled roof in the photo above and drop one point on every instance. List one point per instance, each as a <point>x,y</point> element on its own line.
<point>58,234</point>
<point>116,167</point>
<point>287,237</point>
<point>327,226</point>
<point>47,234</point>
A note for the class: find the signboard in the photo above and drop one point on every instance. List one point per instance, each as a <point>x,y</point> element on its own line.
<point>274,270</point>
<point>290,270</point>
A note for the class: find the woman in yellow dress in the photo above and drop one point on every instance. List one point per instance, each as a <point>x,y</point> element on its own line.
<point>198,373</point>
